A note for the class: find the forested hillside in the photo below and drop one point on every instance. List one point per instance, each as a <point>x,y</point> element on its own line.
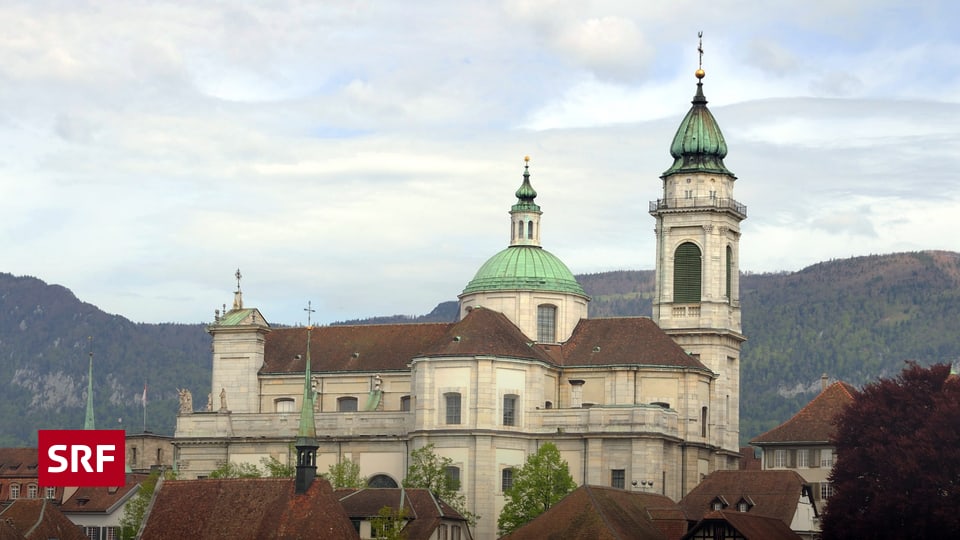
<point>854,319</point>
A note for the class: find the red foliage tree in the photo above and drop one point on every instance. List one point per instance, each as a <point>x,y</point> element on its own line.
<point>897,473</point>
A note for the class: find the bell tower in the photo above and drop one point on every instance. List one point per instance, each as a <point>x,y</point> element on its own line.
<point>697,296</point>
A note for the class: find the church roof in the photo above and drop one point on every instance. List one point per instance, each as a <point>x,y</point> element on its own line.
<point>814,422</point>
<point>378,347</point>
<point>698,145</point>
<point>596,512</point>
<point>254,508</point>
<point>483,332</point>
<point>773,494</point>
<point>525,268</point>
<point>624,340</point>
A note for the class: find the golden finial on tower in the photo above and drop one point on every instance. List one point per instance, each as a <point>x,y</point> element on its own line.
<point>700,73</point>
<point>526,159</point>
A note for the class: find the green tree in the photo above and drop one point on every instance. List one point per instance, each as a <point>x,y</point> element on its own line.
<point>345,474</point>
<point>427,470</point>
<point>389,524</point>
<point>135,510</point>
<point>542,481</point>
<point>275,469</point>
<point>236,470</point>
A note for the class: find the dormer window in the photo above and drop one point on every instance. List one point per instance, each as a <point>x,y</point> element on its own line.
<point>718,503</point>
<point>744,504</point>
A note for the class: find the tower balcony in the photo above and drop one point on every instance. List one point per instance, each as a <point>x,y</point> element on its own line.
<point>693,204</point>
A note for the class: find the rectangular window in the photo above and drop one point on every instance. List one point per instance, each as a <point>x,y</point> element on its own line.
<point>453,474</point>
<point>453,407</point>
<point>50,492</point>
<point>14,491</point>
<point>506,479</point>
<point>509,410</point>
<point>93,533</point>
<point>405,403</point>
<point>442,532</point>
<point>826,458</point>
<point>803,458</point>
<point>32,491</point>
<point>618,478</point>
<point>547,324</point>
<point>455,532</point>
<point>347,404</point>
<point>113,533</point>
<point>779,459</point>
<point>826,490</point>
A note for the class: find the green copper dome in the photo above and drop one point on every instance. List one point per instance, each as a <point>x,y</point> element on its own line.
<point>524,268</point>
<point>698,145</point>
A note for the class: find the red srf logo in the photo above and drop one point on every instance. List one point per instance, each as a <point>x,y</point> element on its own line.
<point>81,457</point>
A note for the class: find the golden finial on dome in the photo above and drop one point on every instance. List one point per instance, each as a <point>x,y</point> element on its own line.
<point>526,159</point>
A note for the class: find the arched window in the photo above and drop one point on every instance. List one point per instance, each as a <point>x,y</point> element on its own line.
<point>686,273</point>
<point>529,230</point>
<point>452,402</point>
<point>547,323</point>
<point>32,491</point>
<point>405,403</point>
<point>729,265</point>
<point>520,230</point>
<point>347,404</point>
<point>14,491</point>
<point>453,475</point>
<point>506,479</point>
<point>381,481</point>
<point>284,405</point>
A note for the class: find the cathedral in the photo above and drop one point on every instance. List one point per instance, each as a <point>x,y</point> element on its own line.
<point>635,403</point>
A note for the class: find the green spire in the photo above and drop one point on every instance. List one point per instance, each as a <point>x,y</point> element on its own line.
<point>88,422</point>
<point>308,426</point>
<point>525,193</point>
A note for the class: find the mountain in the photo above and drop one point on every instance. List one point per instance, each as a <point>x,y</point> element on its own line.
<point>853,319</point>
<point>46,338</point>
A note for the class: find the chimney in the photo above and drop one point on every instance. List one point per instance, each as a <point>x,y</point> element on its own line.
<point>824,381</point>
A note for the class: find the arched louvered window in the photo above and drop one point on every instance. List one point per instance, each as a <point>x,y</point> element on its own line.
<point>729,265</point>
<point>520,230</point>
<point>529,230</point>
<point>686,273</point>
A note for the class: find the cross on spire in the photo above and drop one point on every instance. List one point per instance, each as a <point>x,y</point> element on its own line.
<point>700,47</point>
<point>238,276</point>
<point>309,311</point>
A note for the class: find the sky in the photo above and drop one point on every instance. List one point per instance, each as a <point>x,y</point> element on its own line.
<point>363,156</point>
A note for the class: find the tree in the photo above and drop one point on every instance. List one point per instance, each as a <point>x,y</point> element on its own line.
<point>345,474</point>
<point>389,524</point>
<point>136,508</point>
<point>897,473</point>
<point>427,470</point>
<point>275,469</point>
<point>236,470</point>
<point>542,481</point>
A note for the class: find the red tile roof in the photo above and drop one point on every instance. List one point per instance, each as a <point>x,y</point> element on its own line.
<point>773,494</point>
<point>40,519</point>
<point>102,499</point>
<point>242,508</point>
<point>595,342</point>
<point>379,347</point>
<point>814,422</point>
<point>624,340</point>
<point>604,513</point>
<point>18,462</point>
<point>424,511</point>
<point>750,527</point>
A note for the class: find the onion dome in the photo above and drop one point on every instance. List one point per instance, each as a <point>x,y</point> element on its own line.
<point>698,146</point>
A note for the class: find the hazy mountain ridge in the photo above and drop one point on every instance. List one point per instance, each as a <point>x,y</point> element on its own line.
<point>854,319</point>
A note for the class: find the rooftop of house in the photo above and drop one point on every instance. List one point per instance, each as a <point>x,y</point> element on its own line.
<point>774,494</point>
<point>102,500</point>
<point>38,519</point>
<point>241,508</point>
<point>814,423</point>
<point>602,513</point>
<point>18,462</point>
<point>424,511</point>
<point>749,527</point>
